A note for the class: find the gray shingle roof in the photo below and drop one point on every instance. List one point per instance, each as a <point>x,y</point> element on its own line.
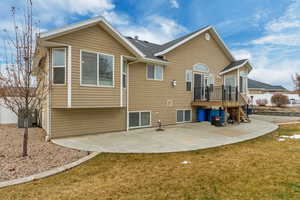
<point>253,84</point>
<point>149,49</point>
<point>234,64</point>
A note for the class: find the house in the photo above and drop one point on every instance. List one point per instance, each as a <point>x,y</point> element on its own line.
<point>260,90</point>
<point>257,87</point>
<point>103,81</point>
<point>7,116</point>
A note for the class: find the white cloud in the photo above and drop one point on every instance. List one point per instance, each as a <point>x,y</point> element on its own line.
<point>275,54</point>
<point>284,30</point>
<point>81,7</point>
<point>280,74</point>
<point>152,28</point>
<point>59,12</point>
<point>174,3</point>
<point>292,39</point>
<point>158,29</point>
<point>242,54</point>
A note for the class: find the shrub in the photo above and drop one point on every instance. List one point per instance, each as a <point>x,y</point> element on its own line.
<point>280,100</point>
<point>262,102</point>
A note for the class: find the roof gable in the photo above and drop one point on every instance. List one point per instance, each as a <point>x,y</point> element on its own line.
<point>235,65</point>
<point>90,22</point>
<point>167,47</point>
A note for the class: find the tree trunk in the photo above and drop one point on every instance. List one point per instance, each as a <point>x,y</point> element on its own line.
<point>25,138</point>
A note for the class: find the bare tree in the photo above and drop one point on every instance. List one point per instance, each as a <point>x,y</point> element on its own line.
<point>297,83</point>
<point>22,89</point>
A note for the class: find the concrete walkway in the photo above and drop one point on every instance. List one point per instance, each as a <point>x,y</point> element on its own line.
<point>184,137</point>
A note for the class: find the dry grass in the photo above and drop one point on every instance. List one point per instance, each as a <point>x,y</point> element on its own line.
<point>262,169</point>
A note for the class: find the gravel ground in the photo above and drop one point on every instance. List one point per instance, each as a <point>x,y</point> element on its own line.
<point>42,155</point>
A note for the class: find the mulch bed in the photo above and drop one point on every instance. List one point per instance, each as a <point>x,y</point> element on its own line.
<point>42,155</point>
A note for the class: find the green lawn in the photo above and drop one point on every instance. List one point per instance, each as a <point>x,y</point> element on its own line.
<point>262,169</point>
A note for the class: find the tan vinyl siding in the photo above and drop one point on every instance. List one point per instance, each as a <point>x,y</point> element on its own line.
<point>199,50</point>
<point>98,40</point>
<point>160,97</point>
<point>70,122</point>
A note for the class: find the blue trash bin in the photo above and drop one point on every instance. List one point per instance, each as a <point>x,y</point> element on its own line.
<point>213,114</point>
<point>222,115</point>
<point>200,115</point>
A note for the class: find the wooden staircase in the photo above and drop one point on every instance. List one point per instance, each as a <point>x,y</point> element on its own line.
<point>243,116</point>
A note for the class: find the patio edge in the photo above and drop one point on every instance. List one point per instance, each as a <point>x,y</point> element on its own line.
<point>47,173</point>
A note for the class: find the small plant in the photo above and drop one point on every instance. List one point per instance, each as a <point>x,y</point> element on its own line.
<point>262,102</point>
<point>280,100</point>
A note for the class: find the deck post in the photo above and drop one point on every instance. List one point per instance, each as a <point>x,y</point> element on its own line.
<point>238,115</point>
<point>225,115</point>
<point>223,93</point>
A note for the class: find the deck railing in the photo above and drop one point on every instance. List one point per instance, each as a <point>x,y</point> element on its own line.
<point>216,93</point>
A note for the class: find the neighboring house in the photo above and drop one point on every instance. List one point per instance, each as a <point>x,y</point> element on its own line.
<point>7,116</point>
<point>260,90</point>
<point>104,82</point>
<point>257,87</point>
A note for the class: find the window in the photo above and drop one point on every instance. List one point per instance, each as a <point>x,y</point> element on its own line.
<point>59,66</point>
<point>230,80</point>
<point>89,68</point>
<point>106,70</point>
<point>243,84</point>
<point>124,74</point>
<point>139,119</point>
<point>188,79</point>
<point>183,116</point>
<point>211,79</point>
<point>155,72</point>
<point>97,69</point>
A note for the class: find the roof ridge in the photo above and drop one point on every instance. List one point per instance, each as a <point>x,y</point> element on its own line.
<point>188,34</point>
<point>129,37</point>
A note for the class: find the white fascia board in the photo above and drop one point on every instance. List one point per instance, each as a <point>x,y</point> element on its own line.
<point>234,68</point>
<point>154,61</point>
<point>75,26</point>
<point>123,38</point>
<point>223,43</point>
<point>70,27</point>
<point>182,42</point>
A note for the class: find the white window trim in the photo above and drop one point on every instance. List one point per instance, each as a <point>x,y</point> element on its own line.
<point>245,84</point>
<point>61,66</point>
<point>232,76</point>
<point>189,81</point>
<point>154,79</point>
<point>184,116</point>
<point>123,73</point>
<point>97,85</point>
<point>140,119</point>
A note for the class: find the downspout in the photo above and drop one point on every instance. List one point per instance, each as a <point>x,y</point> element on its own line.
<point>48,137</point>
<point>69,68</point>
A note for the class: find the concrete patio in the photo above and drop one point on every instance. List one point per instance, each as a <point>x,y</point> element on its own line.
<point>183,137</point>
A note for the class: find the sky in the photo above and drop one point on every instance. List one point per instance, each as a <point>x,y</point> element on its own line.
<point>265,31</point>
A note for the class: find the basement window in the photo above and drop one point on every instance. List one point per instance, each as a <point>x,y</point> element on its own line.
<point>138,119</point>
<point>183,116</point>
